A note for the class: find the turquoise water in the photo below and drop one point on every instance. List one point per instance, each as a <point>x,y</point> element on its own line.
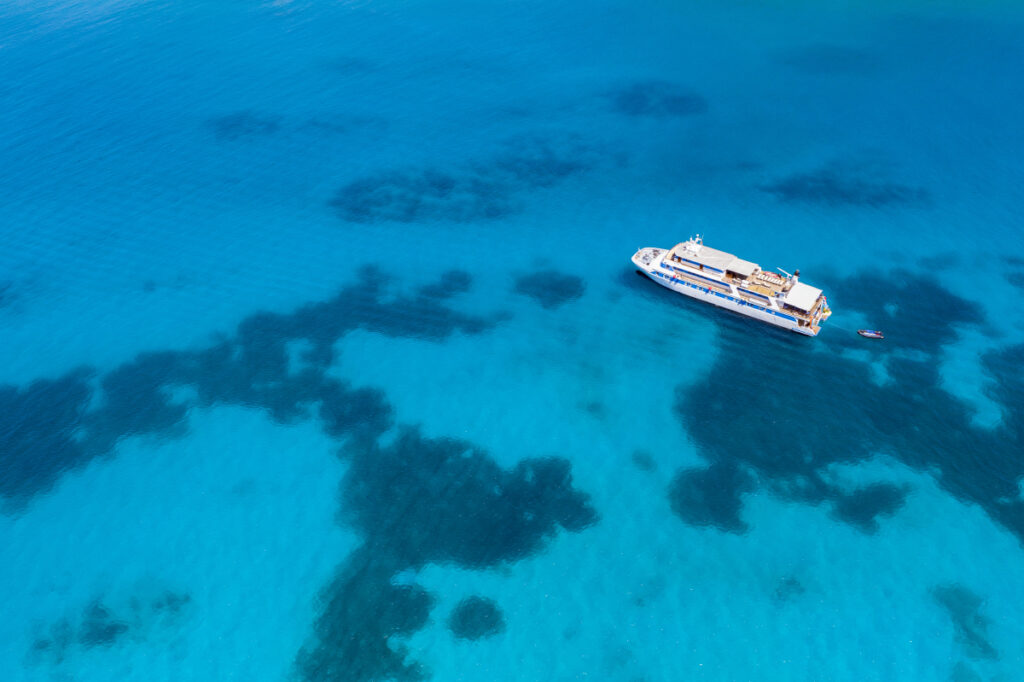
<point>323,358</point>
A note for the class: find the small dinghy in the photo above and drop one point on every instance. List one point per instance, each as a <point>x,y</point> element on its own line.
<point>871,333</point>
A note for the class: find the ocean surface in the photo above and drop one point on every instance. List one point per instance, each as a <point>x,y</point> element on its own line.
<point>323,359</point>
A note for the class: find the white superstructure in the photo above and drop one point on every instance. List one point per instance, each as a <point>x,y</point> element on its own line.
<point>726,281</point>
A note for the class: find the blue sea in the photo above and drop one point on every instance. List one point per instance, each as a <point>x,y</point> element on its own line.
<point>323,357</point>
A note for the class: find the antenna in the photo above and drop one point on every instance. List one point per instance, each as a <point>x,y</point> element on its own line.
<point>784,272</point>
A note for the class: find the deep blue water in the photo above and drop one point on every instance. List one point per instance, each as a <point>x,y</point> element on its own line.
<point>323,358</point>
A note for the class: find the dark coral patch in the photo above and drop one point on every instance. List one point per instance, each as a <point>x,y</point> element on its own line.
<point>476,618</point>
<point>451,283</point>
<point>414,501</point>
<point>420,501</point>
<point>362,610</point>
<point>457,505</point>
<point>102,625</point>
<point>362,414</point>
<point>658,99</point>
<point>970,624</point>
<point>135,400</point>
<point>38,434</point>
<point>243,124</point>
<point>550,288</point>
<point>792,427</point>
<point>916,312</point>
<point>47,429</point>
<point>711,497</point>
<point>253,368</point>
<point>731,433</point>
<point>224,374</point>
<point>862,507</point>
<point>482,190</point>
<point>529,161</point>
<point>842,185</point>
<point>414,196</point>
<point>99,627</point>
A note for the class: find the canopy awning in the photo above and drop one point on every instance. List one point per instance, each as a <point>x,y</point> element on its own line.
<point>802,297</point>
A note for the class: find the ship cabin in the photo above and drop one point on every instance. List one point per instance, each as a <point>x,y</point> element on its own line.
<point>725,267</point>
<point>802,300</point>
<point>707,266</point>
<point>717,263</point>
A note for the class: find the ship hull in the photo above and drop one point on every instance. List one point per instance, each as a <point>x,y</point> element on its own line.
<point>651,268</point>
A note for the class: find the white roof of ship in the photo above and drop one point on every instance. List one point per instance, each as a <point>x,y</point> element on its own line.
<point>802,296</point>
<point>714,258</point>
<point>704,255</point>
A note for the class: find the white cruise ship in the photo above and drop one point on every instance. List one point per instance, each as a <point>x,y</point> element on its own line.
<point>726,281</point>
